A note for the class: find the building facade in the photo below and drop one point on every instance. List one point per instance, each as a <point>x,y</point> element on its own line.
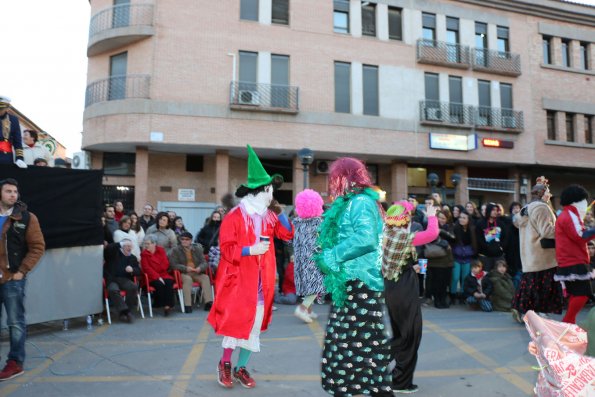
<point>473,99</point>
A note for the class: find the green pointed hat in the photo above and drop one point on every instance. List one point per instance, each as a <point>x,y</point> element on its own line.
<point>257,175</point>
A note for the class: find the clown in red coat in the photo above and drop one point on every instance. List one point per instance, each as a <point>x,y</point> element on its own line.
<point>245,284</point>
<point>574,270</point>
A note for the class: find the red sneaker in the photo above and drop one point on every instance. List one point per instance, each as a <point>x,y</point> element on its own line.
<point>11,370</point>
<point>243,376</point>
<point>224,374</point>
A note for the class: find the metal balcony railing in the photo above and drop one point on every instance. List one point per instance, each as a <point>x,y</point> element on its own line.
<point>446,112</point>
<point>431,112</point>
<point>491,185</point>
<point>441,53</point>
<point>120,16</point>
<point>265,97</point>
<point>494,61</point>
<point>499,118</point>
<point>118,87</point>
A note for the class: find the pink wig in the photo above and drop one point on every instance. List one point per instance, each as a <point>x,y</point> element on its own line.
<point>345,174</point>
<point>308,204</point>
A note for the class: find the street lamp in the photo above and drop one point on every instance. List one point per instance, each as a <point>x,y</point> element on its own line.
<point>306,157</point>
<point>455,179</point>
<point>433,181</point>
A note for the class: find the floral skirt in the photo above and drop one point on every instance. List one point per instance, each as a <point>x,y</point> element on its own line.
<point>539,292</point>
<point>356,350</point>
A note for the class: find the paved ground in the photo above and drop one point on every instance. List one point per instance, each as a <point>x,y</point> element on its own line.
<point>463,353</point>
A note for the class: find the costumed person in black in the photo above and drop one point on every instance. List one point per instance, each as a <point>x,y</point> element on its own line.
<point>11,139</point>
<point>399,269</point>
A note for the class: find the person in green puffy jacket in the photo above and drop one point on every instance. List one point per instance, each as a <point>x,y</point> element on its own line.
<point>503,292</point>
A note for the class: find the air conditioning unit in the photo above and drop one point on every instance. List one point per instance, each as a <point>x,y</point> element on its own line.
<point>508,122</point>
<point>321,166</point>
<point>81,161</point>
<point>433,114</point>
<point>248,97</point>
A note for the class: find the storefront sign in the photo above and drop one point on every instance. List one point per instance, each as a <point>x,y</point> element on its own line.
<point>186,195</point>
<point>497,143</point>
<point>453,142</point>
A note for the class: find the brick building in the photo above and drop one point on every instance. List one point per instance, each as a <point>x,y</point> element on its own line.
<point>494,93</point>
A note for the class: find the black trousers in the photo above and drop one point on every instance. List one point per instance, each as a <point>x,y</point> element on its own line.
<point>122,284</point>
<point>164,293</point>
<point>441,277</point>
<point>404,310</point>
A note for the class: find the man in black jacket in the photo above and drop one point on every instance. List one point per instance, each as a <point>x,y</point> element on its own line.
<point>119,271</point>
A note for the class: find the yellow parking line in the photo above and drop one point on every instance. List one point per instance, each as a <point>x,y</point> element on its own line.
<point>181,384</point>
<point>504,373</point>
<point>18,382</point>
<point>317,331</point>
<point>106,379</point>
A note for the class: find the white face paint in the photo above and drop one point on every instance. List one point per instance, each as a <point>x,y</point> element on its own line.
<point>581,207</point>
<point>266,196</point>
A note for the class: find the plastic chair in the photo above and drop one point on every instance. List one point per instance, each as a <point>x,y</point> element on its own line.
<point>123,295</point>
<point>145,284</point>
<point>178,288</point>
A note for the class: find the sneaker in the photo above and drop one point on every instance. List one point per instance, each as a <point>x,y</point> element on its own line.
<point>302,314</point>
<point>224,374</point>
<point>274,308</point>
<point>516,316</point>
<point>11,370</point>
<point>312,314</point>
<point>243,377</point>
<point>408,390</point>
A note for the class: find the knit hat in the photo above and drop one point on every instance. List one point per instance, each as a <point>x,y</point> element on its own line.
<point>257,175</point>
<point>398,214</point>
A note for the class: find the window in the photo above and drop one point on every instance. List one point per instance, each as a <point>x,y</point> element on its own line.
<point>505,96</point>
<point>503,41</point>
<point>247,85</point>
<point>280,95</point>
<point>452,39</point>
<point>121,16</point>
<point>368,19</point>
<point>565,52</point>
<point>342,87</point>
<point>547,50</point>
<point>429,26</point>
<point>584,53</point>
<point>485,103</point>
<point>249,10</point>
<point>455,96</point>
<point>370,80</point>
<point>481,43</point>
<point>117,73</point>
<point>432,90</point>
<point>119,163</point>
<point>551,125</point>
<point>589,128</point>
<point>280,12</point>
<point>570,127</point>
<point>341,16</point>
<point>395,24</point>
<point>194,163</point>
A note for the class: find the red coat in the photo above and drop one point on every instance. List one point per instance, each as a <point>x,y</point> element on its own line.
<point>155,265</point>
<point>571,248</point>
<point>236,286</point>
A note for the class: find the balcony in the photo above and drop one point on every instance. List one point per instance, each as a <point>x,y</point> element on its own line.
<point>118,87</point>
<point>458,115</point>
<point>264,97</point>
<point>498,62</point>
<point>491,185</point>
<point>435,52</point>
<point>118,26</point>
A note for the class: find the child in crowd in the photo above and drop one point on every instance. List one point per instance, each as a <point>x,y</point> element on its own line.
<point>478,288</point>
<point>503,293</point>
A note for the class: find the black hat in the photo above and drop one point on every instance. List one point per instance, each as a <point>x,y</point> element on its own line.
<point>186,235</point>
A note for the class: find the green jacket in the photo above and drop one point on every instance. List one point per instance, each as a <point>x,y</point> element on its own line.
<point>589,326</point>
<point>358,252</point>
<point>503,291</point>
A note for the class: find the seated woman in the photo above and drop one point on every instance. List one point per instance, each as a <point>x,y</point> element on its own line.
<point>165,237</point>
<point>155,264</point>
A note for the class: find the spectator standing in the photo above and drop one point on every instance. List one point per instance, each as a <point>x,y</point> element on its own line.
<point>189,260</point>
<point>537,224</point>
<point>110,222</point>
<point>155,265</point>
<point>21,249</point>
<point>178,226</point>
<point>120,267</point>
<point>490,234</point>
<point>33,149</point>
<point>147,220</point>
<point>11,141</point>
<point>40,162</point>
<point>456,211</point>
<point>208,236</point>
<point>472,210</point>
<point>571,250</point>
<point>440,262</point>
<point>118,210</point>
<point>165,237</point>
<point>309,281</point>
<point>512,246</point>
<point>135,226</point>
<point>464,251</point>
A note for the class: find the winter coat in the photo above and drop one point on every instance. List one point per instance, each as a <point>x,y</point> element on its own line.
<point>571,246</point>
<point>166,238</point>
<point>236,288</point>
<point>177,258</point>
<point>503,291</point>
<point>536,221</point>
<point>155,265</point>
<point>116,263</point>
<point>208,236</point>
<point>445,236</point>
<point>471,285</point>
